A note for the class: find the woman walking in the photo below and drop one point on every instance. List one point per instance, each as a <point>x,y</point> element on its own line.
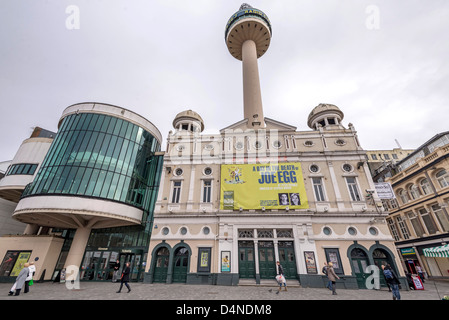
<point>20,280</point>
<point>125,278</point>
<point>332,276</point>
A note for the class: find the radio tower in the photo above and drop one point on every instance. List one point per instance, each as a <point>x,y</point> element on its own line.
<point>248,35</point>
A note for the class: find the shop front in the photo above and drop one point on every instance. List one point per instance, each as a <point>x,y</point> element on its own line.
<point>98,265</point>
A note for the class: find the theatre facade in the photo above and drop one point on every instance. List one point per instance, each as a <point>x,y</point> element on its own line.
<point>220,217</point>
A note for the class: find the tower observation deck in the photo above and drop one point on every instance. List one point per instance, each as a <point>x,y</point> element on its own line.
<point>248,35</point>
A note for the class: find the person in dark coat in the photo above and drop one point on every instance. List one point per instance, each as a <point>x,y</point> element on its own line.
<point>392,280</point>
<point>116,270</point>
<point>125,278</point>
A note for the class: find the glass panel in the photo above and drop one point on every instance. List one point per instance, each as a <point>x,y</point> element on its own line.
<point>250,254</point>
<point>355,265</point>
<point>270,254</point>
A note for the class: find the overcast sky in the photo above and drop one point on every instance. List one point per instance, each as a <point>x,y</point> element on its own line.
<point>383,63</point>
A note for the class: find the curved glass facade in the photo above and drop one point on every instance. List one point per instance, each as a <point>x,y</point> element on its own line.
<point>101,156</point>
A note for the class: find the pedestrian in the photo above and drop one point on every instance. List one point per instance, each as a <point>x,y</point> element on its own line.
<point>20,280</point>
<point>392,281</point>
<point>420,273</point>
<point>332,276</point>
<point>124,279</point>
<point>280,277</point>
<point>116,270</point>
<point>29,280</point>
<point>324,270</point>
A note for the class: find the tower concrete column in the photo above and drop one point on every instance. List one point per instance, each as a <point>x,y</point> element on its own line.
<point>76,252</point>
<point>252,98</point>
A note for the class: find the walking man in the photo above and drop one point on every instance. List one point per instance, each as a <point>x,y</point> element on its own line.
<point>125,278</point>
<point>392,281</point>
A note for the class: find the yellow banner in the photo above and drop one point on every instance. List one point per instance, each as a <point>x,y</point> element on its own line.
<point>257,186</point>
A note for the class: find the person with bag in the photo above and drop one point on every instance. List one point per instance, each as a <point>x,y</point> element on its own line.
<point>280,278</point>
<point>332,276</point>
<point>392,281</point>
<point>124,279</point>
<point>20,280</point>
<point>29,280</point>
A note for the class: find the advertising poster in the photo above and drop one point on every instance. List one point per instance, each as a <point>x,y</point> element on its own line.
<point>309,257</point>
<point>258,186</point>
<point>225,261</point>
<point>21,260</point>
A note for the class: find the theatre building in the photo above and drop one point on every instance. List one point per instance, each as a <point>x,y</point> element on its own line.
<point>233,203</point>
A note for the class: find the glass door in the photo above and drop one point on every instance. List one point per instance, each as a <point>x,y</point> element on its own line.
<point>267,265</point>
<point>247,265</point>
<point>287,259</point>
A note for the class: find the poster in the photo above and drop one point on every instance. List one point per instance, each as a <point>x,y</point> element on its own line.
<point>262,186</point>
<point>225,261</point>
<point>309,257</point>
<point>204,258</point>
<point>21,260</point>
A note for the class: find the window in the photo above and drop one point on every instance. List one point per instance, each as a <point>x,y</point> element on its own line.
<point>425,186</point>
<point>374,157</point>
<point>403,195</point>
<point>403,227</point>
<point>393,229</point>
<point>373,231</point>
<point>22,168</point>
<point>414,191</point>
<point>314,168</point>
<point>327,231</point>
<point>443,178</point>
<point>353,189</point>
<point>207,188</point>
<point>428,221</point>
<point>386,156</point>
<point>441,216</point>
<point>318,189</point>
<point>347,167</point>
<point>352,231</point>
<point>416,224</point>
<point>176,191</point>
<point>395,156</point>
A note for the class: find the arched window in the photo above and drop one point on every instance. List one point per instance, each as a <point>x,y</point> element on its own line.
<point>414,191</point>
<point>425,186</point>
<point>443,178</point>
<point>403,195</point>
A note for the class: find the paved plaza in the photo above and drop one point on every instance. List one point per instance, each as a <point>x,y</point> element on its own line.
<point>434,290</point>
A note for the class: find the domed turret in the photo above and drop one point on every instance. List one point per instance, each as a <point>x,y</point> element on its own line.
<point>188,120</point>
<point>324,115</point>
